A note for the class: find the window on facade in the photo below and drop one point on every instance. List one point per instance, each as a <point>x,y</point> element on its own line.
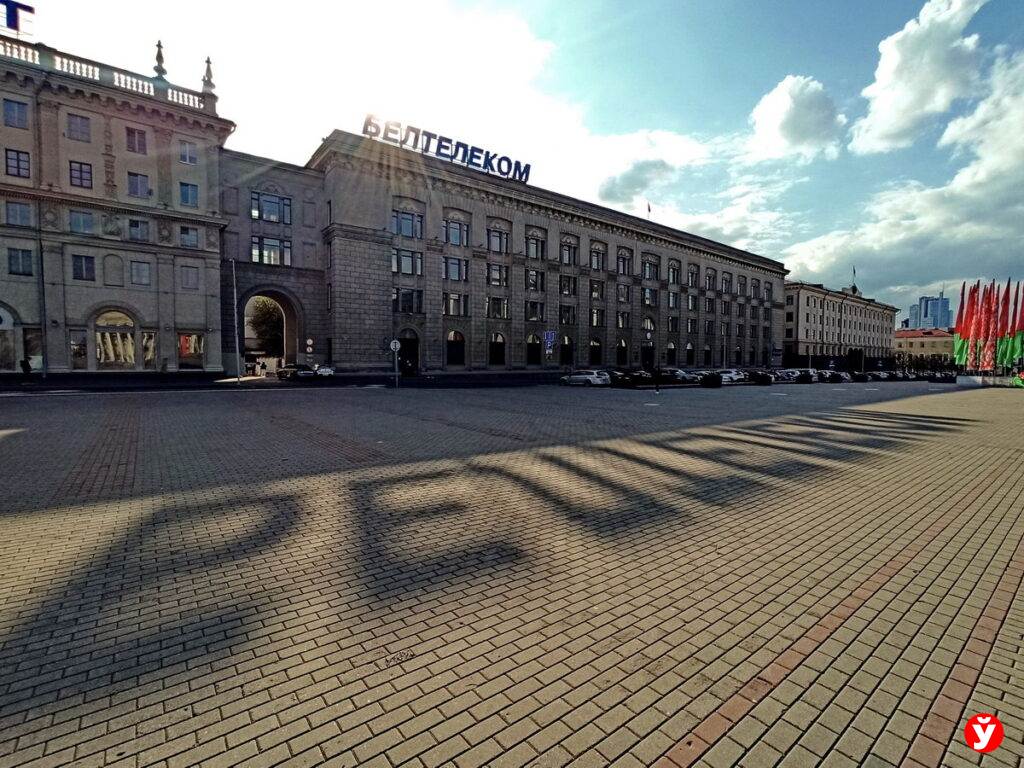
<point>19,214</point>
<point>19,262</point>
<point>79,128</point>
<point>407,300</point>
<point>597,289</point>
<point>709,305</point>
<point>766,313</point>
<point>789,333</point>
<point>726,282</point>
<point>190,237</point>
<point>691,302</point>
<point>597,259</point>
<point>673,323</point>
<point>190,277</point>
<point>497,241</point>
<point>647,323</point>
<point>115,341</point>
<point>187,152</point>
<point>709,327</point>
<point>709,279</point>
<point>741,310</point>
<point>497,307</point>
<point>406,224</point>
<point>497,275</point>
<point>766,332</point>
<point>140,272</point>
<point>135,140</point>
<point>622,293</point>
<point>83,267</point>
<point>455,304</point>
<point>673,300</point>
<point>622,319</point>
<point>190,350</point>
<point>17,163</point>
<point>406,262</point>
<point>741,285</point>
<point>650,297</point>
<point>726,308</point>
<point>78,348</point>
<point>567,314</point>
<point>455,232</point>
<point>755,288</point>
<point>138,230</point>
<point>81,174</point>
<point>454,269</point>
<point>789,301</point>
<point>692,275</point>
<point>624,264</point>
<point>650,270</point>
<point>81,222</point>
<point>189,194</point>
<point>267,207</point>
<point>767,291</point>
<point>740,331</point>
<point>536,248</point>
<point>534,310</point>
<point>725,329</point>
<point>534,280</point>
<point>270,250</point>
<point>691,325</point>
<point>15,114</point>
<point>597,318</point>
<point>138,185</point>
<point>568,253</point>
<point>567,285</point>
<point>674,272</point>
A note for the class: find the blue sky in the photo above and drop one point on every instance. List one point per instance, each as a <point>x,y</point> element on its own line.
<point>886,134</point>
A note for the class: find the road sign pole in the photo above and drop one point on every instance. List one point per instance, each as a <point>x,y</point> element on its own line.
<point>395,346</point>
<point>396,369</point>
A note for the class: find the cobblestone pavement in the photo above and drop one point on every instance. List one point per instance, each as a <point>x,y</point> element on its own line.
<point>798,576</point>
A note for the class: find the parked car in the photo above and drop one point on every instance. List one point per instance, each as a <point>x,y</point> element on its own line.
<point>730,375</point>
<point>763,378</point>
<point>805,377</point>
<point>839,377</point>
<point>323,370</point>
<point>294,372</point>
<point>711,379</point>
<point>678,374</point>
<point>619,379</point>
<point>860,377</point>
<point>587,378</point>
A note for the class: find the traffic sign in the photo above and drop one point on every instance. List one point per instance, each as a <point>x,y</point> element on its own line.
<point>549,336</point>
<point>395,345</point>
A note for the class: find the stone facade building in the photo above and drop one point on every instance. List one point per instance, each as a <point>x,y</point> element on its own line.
<point>842,329</point>
<point>133,239</point>
<point>927,345</point>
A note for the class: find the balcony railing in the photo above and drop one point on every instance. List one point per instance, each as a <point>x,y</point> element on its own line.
<point>50,59</point>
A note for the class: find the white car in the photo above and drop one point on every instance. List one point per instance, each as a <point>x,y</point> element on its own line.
<point>323,370</point>
<point>587,379</point>
<point>730,375</point>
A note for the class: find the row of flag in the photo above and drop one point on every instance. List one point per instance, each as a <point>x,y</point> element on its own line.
<point>988,333</point>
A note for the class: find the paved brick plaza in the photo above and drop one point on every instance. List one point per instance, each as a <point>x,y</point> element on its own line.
<point>805,576</point>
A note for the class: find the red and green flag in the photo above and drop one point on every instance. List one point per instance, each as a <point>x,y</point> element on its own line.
<point>1017,348</point>
<point>974,326</point>
<point>1004,328</point>
<point>959,346</point>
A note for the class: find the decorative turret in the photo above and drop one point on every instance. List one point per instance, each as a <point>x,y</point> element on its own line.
<point>159,68</point>
<point>209,97</point>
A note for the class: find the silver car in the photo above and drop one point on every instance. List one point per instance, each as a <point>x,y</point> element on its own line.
<point>587,378</point>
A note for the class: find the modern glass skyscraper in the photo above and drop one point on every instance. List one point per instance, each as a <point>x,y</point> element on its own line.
<point>931,312</point>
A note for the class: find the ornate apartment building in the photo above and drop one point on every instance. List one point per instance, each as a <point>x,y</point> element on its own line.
<point>824,327</point>
<point>133,240</point>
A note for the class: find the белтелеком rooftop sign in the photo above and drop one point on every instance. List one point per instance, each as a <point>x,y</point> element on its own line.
<point>447,149</point>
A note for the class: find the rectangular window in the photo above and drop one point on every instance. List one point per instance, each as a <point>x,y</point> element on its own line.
<point>650,270</point>
<point>709,327</point>
<point>567,285</point>
<point>135,141</point>
<point>497,241</point>
<point>767,291</point>
<point>755,288</point>
<point>19,215</point>
<point>270,250</point>
<point>138,230</point>
<point>691,325</point>
<point>692,275</point>
<point>455,232</point>
<point>190,237</point>
<point>190,278</point>
<point>766,313</point>
<point>455,304</point>
<point>81,222</point>
<point>407,224</point>
<point>726,282</point>
<point>650,297</point>
<point>19,262</point>
<point>766,332</point>
<point>725,329</point>
<point>691,302</point>
<point>79,128</point>
<point>497,275</point>
<point>407,301</point>
<point>597,318</point>
<point>709,279</point>
<point>189,194</point>
<point>190,350</point>
<point>497,307</point>
<point>624,265</point>
<point>789,300</point>
<point>535,310</point>
<point>673,300</point>
<point>536,248</point>
<point>622,319</point>
<point>534,280</point>
<point>741,287</point>
<point>140,272</point>
<point>138,185</point>
<point>567,314</point>
<point>739,331</point>
<point>709,305</point>
<point>83,267</point>
<point>81,174</point>
<point>17,163</point>
<point>568,253</point>
<point>187,152</point>
<point>454,269</point>
<point>597,259</point>
<point>789,333</point>
<point>673,273</point>
<point>622,293</point>
<point>673,323</point>
<point>597,289</point>
<point>726,308</point>
<point>15,114</point>
<point>270,207</point>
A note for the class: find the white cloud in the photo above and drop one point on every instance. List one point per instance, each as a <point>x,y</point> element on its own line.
<point>914,234</point>
<point>922,69</point>
<point>796,119</point>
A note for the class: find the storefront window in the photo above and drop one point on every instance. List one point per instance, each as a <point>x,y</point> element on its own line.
<point>33,343</point>
<point>7,361</point>
<point>149,350</point>
<point>115,342</point>
<point>78,348</point>
<point>190,350</point>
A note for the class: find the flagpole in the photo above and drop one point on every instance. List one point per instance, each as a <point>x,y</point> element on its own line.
<point>234,289</point>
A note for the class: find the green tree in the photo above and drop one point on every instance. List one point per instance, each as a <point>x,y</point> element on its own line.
<point>268,324</point>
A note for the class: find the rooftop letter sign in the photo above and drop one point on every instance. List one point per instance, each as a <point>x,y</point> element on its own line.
<point>12,20</point>
<point>445,148</point>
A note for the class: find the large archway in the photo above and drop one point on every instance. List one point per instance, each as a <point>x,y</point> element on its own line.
<point>496,350</point>
<point>408,352</point>
<point>270,325</point>
<point>455,348</point>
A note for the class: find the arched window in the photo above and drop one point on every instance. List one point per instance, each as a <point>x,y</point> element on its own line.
<point>670,353</point>
<point>648,323</point>
<point>455,347</point>
<point>496,350</point>
<point>622,353</point>
<point>595,357</point>
<point>115,342</point>
<point>533,349</point>
<point>691,357</point>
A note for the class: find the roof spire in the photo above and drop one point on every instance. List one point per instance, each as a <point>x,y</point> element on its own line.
<point>208,85</point>
<point>159,68</point>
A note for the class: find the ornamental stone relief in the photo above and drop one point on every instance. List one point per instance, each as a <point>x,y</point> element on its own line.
<point>163,232</point>
<point>50,217</point>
